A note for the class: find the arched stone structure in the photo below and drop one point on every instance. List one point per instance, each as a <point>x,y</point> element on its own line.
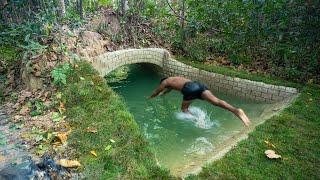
<point>247,89</point>
<point>110,61</point>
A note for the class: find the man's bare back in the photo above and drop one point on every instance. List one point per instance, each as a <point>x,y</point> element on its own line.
<point>176,83</point>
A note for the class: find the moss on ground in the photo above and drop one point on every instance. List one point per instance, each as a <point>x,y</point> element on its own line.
<point>121,150</point>
<point>8,56</point>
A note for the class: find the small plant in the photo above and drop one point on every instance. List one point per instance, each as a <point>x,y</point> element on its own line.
<point>59,74</point>
<point>32,48</point>
<point>38,108</point>
<point>239,59</point>
<point>1,94</point>
<point>14,96</point>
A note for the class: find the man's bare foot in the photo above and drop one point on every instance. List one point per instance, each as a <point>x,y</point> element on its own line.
<point>244,118</point>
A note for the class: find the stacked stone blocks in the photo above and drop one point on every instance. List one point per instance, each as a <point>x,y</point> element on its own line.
<point>247,89</point>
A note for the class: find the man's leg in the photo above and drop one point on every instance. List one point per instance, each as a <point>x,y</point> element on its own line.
<point>207,95</point>
<point>185,105</point>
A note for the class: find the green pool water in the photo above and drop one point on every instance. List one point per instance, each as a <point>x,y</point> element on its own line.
<point>178,141</point>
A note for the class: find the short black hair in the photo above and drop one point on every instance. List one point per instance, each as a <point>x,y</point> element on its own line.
<point>163,79</point>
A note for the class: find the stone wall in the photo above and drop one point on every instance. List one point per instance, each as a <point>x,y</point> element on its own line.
<point>247,89</point>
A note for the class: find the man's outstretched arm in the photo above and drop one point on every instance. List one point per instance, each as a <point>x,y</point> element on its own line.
<point>156,92</point>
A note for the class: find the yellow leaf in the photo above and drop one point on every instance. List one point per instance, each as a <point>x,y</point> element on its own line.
<point>94,153</point>
<point>56,144</point>
<point>270,144</point>
<point>62,137</point>
<point>69,163</point>
<point>49,135</point>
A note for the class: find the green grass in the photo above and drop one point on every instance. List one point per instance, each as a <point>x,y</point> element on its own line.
<point>91,104</point>
<point>296,136</point>
<point>229,71</point>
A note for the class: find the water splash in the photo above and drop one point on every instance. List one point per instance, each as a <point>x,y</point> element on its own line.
<point>199,117</point>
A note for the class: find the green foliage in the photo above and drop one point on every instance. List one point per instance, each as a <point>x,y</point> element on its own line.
<point>56,117</point>
<point>280,34</point>
<point>106,3</point>
<point>37,108</point>
<point>118,74</point>
<point>32,48</point>
<point>239,59</point>
<point>8,56</point>
<point>59,74</point>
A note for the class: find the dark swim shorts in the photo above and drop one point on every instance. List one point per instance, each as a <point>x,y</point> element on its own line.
<point>193,90</point>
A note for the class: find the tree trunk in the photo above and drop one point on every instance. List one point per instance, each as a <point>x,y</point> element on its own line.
<point>4,4</point>
<point>62,8</point>
<point>182,14</point>
<point>123,7</point>
<point>182,22</point>
<point>80,8</point>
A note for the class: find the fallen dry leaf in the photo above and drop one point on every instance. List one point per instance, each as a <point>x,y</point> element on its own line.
<point>2,158</point>
<point>62,107</point>
<point>26,93</point>
<point>56,144</point>
<point>91,130</point>
<point>24,110</point>
<point>69,163</point>
<point>17,117</point>
<point>37,73</point>
<point>47,103</point>
<point>271,154</point>
<point>62,137</point>
<point>46,94</point>
<point>94,153</point>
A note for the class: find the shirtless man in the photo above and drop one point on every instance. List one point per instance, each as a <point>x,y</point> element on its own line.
<point>195,90</point>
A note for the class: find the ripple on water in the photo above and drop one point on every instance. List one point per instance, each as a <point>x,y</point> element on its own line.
<point>201,146</point>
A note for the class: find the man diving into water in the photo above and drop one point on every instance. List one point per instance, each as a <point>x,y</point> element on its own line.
<point>195,90</point>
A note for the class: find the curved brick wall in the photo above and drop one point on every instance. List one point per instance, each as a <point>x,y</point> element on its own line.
<point>258,91</point>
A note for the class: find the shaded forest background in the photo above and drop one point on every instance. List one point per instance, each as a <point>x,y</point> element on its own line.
<point>276,37</point>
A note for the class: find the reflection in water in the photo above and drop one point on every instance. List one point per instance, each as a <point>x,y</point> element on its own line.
<point>180,139</point>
